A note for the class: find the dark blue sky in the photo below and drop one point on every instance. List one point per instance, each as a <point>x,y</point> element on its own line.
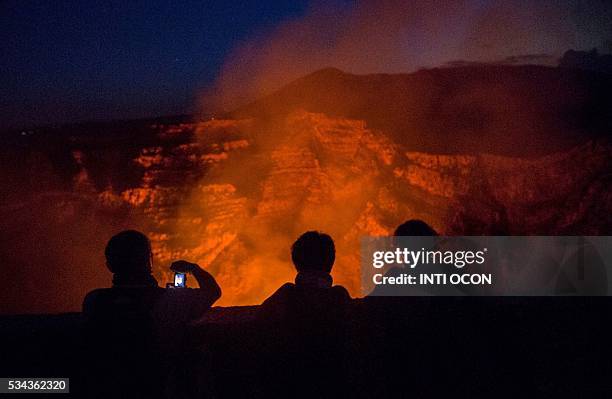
<point>67,60</point>
<point>75,60</point>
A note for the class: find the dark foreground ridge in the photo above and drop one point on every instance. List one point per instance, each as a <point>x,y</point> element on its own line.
<point>411,346</point>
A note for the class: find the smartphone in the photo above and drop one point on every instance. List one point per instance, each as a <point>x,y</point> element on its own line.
<point>179,280</point>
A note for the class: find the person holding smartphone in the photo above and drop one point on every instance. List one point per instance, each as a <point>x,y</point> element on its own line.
<point>181,305</point>
<point>132,328</point>
<point>135,291</point>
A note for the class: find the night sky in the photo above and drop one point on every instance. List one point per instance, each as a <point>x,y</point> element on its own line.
<point>70,60</point>
<point>78,60</point>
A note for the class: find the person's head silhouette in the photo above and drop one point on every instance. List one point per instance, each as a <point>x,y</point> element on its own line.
<point>313,252</point>
<point>414,227</point>
<point>128,257</point>
<point>313,293</point>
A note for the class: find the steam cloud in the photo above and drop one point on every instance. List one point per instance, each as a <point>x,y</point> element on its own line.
<point>396,36</point>
<point>386,36</point>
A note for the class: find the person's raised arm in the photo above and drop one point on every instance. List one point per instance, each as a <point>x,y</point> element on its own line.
<point>205,280</point>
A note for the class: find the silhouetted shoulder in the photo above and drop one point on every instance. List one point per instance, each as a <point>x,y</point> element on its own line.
<point>340,292</point>
<point>291,298</point>
<point>187,303</point>
<point>92,299</point>
<point>281,295</point>
<point>121,301</point>
<point>289,290</point>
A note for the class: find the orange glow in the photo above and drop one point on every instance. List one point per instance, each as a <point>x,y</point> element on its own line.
<point>260,187</point>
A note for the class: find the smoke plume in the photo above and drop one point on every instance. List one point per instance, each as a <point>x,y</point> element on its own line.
<point>393,36</point>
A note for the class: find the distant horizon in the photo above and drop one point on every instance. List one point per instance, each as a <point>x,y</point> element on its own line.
<point>195,114</point>
<point>548,61</point>
<point>80,60</point>
<point>202,115</point>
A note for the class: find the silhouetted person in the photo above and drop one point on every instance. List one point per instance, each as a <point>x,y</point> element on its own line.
<point>410,228</point>
<point>313,255</point>
<point>135,323</point>
<point>414,227</point>
<point>307,323</point>
<point>400,311</point>
<point>135,292</point>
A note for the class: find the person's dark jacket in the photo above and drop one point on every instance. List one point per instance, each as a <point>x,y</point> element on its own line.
<point>131,332</point>
<point>306,330</point>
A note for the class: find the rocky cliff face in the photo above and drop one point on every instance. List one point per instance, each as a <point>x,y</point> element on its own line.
<point>233,195</point>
